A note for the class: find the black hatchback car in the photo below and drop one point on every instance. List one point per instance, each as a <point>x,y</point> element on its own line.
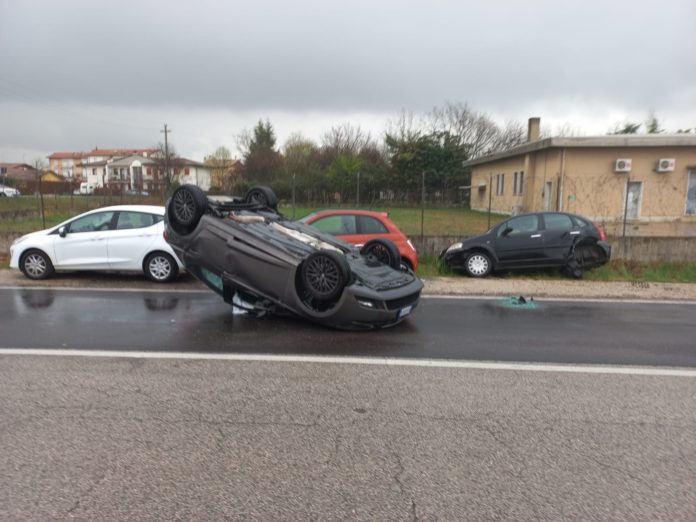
<point>536,240</point>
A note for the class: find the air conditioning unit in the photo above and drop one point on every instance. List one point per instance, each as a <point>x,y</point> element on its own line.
<point>666,165</point>
<point>622,165</point>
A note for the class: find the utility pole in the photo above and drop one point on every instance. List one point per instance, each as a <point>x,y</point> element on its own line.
<point>166,159</point>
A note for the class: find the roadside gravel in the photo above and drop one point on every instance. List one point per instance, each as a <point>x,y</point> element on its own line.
<point>455,286</point>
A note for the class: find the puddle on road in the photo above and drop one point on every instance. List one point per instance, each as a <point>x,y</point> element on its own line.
<point>518,302</point>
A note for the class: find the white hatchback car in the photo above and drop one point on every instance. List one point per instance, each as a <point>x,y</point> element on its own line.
<point>123,238</point>
<point>10,192</point>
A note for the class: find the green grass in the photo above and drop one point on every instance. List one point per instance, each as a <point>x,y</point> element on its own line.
<point>436,221</point>
<point>619,271</point>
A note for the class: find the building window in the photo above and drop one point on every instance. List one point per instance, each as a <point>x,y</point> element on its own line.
<point>186,171</point>
<point>518,183</point>
<point>499,184</point>
<point>691,194</point>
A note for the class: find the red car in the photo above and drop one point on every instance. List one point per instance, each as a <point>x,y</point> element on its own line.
<point>360,226</point>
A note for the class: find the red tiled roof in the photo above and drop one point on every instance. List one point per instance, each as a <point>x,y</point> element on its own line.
<point>19,171</point>
<point>100,152</point>
<point>117,152</point>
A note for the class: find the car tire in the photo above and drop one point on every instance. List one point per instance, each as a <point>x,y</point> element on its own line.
<point>384,250</point>
<point>35,264</point>
<point>264,196</point>
<point>187,205</point>
<point>160,267</point>
<point>325,274</point>
<point>478,264</point>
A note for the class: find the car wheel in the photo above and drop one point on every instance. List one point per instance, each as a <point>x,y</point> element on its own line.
<point>160,267</point>
<point>36,265</point>
<point>478,264</point>
<point>325,274</point>
<point>383,251</point>
<point>186,207</point>
<point>264,196</point>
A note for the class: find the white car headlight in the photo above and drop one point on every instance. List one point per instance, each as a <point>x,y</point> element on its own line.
<point>19,240</point>
<point>454,246</point>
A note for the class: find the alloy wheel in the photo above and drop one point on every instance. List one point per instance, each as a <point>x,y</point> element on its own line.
<point>160,268</point>
<point>184,206</point>
<point>35,265</point>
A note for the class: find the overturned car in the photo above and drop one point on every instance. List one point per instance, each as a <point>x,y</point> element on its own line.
<point>243,249</point>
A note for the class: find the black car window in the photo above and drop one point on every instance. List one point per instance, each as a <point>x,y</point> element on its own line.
<point>128,220</point>
<point>581,222</point>
<point>370,225</point>
<point>520,225</point>
<point>557,222</point>
<point>92,223</point>
<point>336,225</point>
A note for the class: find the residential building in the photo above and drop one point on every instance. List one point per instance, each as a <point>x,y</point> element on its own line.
<point>67,164</point>
<point>142,173</point>
<point>17,173</point>
<point>650,179</point>
<point>74,164</point>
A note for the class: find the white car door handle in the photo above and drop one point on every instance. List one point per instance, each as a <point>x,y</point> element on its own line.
<point>575,233</point>
<point>535,235</point>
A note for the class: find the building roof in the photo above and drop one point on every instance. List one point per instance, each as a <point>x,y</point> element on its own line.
<point>117,152</point>
<point>19,171</point>
<point>66,155</point>
<point>613,141</point>
<point>101,152</point>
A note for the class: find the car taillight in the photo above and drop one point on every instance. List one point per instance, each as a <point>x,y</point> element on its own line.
<point>602,235</point>
<point>165,234</point>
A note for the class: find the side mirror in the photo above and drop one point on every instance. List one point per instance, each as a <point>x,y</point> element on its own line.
<point>507,232</point>
<point>62,232</point>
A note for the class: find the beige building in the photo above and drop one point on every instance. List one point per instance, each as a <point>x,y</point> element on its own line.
<point>649,178</point>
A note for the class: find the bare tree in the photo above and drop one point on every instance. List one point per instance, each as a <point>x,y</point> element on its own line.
<point>405,128</point>
<point>478,132</point>
<point>345,139</point>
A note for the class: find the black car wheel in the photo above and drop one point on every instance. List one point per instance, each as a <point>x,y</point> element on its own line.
<point>186,207</point>
<point>384,251</point>
<point>478,264</point>
<point>325,274</point>
<point>36,265</point>
<point>160,267</point>
<point>264,196</point>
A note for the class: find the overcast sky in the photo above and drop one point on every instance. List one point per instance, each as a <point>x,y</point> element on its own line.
<point>79,74</point>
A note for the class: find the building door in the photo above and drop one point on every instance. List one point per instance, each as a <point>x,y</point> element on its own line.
<point>548,198</point>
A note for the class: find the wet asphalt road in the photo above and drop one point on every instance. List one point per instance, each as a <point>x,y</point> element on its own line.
<point>87,438</point>
<point>441,328</point>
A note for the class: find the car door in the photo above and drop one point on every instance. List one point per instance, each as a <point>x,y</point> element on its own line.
<point>134,234</point>
<point>369,228</point>
<point>519,241</point>
<point>559,235</point>
<point>84,244</point>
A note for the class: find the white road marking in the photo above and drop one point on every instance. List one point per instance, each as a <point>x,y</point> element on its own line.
<point>373,361</point>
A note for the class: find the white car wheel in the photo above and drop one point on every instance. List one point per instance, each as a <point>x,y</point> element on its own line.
<point>36,265</point>
<point>160,267</point>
